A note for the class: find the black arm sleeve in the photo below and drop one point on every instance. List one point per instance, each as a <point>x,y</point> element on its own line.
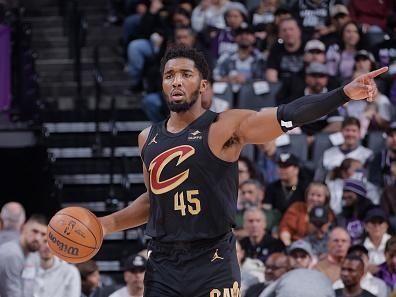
<point>309,108</point>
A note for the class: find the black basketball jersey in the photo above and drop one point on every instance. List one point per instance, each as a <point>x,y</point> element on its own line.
<point>193,193</point>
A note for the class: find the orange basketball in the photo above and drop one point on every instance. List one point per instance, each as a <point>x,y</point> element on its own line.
<point>75,234</point>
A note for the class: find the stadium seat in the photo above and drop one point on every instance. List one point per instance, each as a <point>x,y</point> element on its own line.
<point>226,95</point>
<point>249,100</point>
<point>298,146</point>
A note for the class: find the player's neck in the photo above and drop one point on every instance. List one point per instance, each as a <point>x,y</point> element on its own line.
<point>180,120</point>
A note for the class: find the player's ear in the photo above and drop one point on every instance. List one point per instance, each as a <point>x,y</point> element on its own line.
<point>203,86</point>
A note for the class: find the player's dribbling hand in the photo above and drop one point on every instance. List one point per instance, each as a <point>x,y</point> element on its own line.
<point>364,87</point>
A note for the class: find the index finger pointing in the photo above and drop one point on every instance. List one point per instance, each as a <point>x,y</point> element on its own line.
<point>377,72</point>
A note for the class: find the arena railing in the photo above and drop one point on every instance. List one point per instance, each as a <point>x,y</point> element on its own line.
<point>75,28</point>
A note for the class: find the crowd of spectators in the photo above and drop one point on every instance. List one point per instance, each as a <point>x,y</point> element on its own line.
<point>28,268</point>
<point>320,224</point>
<point>330,209</point>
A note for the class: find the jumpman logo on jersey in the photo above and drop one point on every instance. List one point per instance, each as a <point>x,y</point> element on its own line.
<point>216,256</point>
<point>195,133</point>
<point>154,140</point>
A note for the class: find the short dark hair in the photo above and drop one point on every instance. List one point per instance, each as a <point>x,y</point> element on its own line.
<point>357,248</point>
<point>37,218</point>
<point>350,121</point>
<point>251,181</point>
<point>188,53</point>
<point>352,257</point>
<point>288,19</point>
<point>87,268</point>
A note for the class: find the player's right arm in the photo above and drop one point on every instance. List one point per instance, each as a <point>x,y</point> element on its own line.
<point>137,212</point>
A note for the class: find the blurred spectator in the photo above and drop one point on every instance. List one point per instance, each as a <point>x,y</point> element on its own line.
<point>370,283</point>
<point>247,278</point>
<point>318,230</point>
<point>301,254</point>
<point>264,12</point>
<point>364,61</point>
<point>286,57</point>
<point>266,161</point>
<point>355,208</point>
<point>294,224</point>
<point>134,269</point>
<point>267,34</point>
<point>300,283</point>
<point>242,66</point>
<point>18,260</point>
<point>337,248</point>
<point>313,16</point>
<point>91,285</point>
<point>373,116</point>
<point>55,277</point>
<point>371,14</point>
<point>149,38</point>
<point>352,272</point>
<point>131,24</point>
<point>387,270</point>
<point>252,195</point>
<point>246,170</point>
<point>209,13</point>
<point>350,148</point>
<point>384,51</point>
<point>223,41</point>
<point>339,17</point>
<point>335,181</point>
<point>290,187</point>
<point>340,57</point>
<point>12,217</point>
<point>316,82</point>
<point>210,101</point>
<point>386,56</point>
<point>277,264</point>
<point>295,86</point>
<point>314,51</point>
<point>388,202</point>
<point>258,244</point>
<point>380,170</point>
<point>376,226</point>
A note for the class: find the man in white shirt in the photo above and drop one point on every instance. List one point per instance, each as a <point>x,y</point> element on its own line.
<point>12,216</point>
<point>370,283</point>
<point>56,278</point>
<point>134,269</point>
<point>18,259</point>
<point>376,226</point>
<point>351,148</point>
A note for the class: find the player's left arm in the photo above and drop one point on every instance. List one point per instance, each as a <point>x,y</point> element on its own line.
<point>263,126</point>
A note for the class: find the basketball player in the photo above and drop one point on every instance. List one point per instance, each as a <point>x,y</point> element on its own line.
<point>191,174</point>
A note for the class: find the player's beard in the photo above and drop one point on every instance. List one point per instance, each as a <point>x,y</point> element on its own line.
<point>185,105</point>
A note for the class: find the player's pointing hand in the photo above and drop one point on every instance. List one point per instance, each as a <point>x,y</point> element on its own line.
<point>364,87</point>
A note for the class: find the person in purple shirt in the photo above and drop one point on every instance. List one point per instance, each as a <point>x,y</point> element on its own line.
<point>387,270</point>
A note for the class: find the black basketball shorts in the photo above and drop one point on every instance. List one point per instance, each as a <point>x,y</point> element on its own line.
<point>205,268</point>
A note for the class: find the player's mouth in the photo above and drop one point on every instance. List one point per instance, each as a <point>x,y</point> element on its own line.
<point>177,95</point>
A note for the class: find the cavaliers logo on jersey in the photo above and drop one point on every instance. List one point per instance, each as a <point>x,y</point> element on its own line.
<point>157,165</point>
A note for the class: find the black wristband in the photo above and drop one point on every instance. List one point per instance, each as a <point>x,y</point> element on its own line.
<point>309,108</point>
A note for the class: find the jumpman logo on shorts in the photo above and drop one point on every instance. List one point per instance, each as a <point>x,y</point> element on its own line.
<point>154,140</point>
<point>216,256</point>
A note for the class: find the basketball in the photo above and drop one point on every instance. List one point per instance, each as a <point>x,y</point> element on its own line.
<point>74,234</point>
